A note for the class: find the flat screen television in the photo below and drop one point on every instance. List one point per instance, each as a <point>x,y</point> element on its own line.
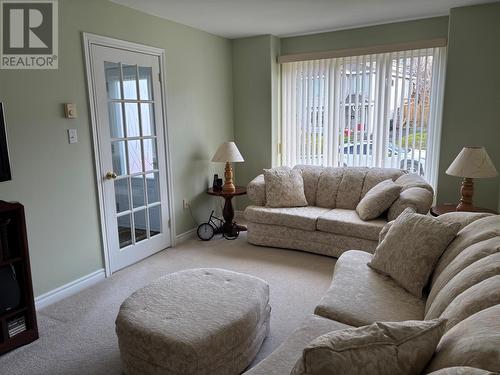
<point>4,150</point>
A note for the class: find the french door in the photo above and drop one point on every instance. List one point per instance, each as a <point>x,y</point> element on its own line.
<point>133,172</point>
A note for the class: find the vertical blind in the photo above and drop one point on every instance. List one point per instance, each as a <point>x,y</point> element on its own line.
<point>378,110</point>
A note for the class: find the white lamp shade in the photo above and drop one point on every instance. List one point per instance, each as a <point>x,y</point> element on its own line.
<point>472,162</point>
<point>228,152</point>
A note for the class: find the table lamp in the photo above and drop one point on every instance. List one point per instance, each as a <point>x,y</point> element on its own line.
<point>228,153</point>
<point>471,162</point>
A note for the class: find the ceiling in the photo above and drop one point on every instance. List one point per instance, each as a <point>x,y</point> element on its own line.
<point>241,18</point>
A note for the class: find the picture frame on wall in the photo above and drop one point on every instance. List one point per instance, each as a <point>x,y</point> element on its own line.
<point>5,173</point>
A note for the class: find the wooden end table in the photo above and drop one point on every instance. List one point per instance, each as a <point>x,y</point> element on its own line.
<point>229,225</point>
<point>445,208</point>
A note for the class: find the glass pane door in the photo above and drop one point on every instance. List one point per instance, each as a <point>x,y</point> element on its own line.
<point>133,152</point>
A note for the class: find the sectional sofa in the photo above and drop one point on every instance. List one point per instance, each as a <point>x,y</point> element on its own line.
<point>329,225</point>
<point>464,288</point>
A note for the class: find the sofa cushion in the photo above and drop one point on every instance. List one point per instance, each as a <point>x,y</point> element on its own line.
<point>328,187</point>
<point>411,248</point>
<point>378,200</point>
<point>310,175</point>
<point>350,188</point>
<point>478,297</point>
<point>480,230</point>
<point>473,342</point>
<point>461,370</point>
<point>282,360</point>
<point>348,223</point>
<point>359,296</point>
<point>475,273</point>
<point>463,260</point>
<point>284,187</point>
<point>384,348</point>
<point>375,176</point>
<point>293,217</point>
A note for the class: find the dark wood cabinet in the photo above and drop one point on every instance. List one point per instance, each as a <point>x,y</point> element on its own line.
<point>14,254</point>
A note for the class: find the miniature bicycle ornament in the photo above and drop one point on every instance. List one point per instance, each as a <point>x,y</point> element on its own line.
<point>214,226</point>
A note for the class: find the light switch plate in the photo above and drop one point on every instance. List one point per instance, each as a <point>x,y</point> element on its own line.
<point>72,136</point>
<point>70,110</point>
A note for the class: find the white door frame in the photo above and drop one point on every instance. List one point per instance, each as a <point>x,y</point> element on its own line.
<point>90,40</point>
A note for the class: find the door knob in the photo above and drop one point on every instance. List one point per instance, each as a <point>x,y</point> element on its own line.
<point>110,176</point>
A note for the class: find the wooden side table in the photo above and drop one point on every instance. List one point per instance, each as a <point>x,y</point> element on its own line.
<point>228,211</point>
<point>445,208</point>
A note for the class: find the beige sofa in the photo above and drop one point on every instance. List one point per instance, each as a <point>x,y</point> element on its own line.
<point>464,288</point>
<point>329,225</point>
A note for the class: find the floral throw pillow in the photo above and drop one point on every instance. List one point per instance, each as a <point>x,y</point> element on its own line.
<point>402,348</point>
<point>378,200</point>
<point>411,248</point>
<point>284,187</point>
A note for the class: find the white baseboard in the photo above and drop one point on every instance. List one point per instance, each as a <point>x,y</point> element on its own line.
<point>69,289</point>
<point>189,235</point>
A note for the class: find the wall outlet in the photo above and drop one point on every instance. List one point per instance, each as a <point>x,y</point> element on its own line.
<point>185,204</point>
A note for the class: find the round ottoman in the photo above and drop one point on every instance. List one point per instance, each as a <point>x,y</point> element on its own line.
<point>198,321</point>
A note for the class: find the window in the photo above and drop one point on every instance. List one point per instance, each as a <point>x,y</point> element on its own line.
<point>379,110</point>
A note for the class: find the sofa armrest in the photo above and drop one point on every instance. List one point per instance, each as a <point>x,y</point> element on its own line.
<point>418,198</point>
<point>411,180</point>
<point>256,190</point>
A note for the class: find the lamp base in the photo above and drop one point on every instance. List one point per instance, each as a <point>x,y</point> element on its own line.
<point>228,177</point>
<point>467,191</point>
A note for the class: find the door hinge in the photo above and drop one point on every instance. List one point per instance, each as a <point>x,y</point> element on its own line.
<point>279,148</point>
<point>169,225</point>
<point>159,77</point>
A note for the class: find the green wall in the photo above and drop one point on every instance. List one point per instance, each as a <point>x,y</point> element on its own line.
<point>255,75</point>
<point>390,33</point>
<point>56,181</point>
<point>471,105</point>
<point>472,97</point>
<point>256,81</point>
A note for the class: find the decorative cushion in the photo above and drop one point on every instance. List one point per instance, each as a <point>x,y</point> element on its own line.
<point>461,370</point>
<point>348,223</point>
<point>378,200</point>
<point>380,348</point>
<point>284,187</point>
<point>293,217</point>
<point>376,175</point>
<point>360,296</point>
<point>411,248</point>
<point>473,342</point>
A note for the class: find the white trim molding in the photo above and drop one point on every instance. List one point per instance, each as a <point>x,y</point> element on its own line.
<point>188,235</point>
<point>69,289</point>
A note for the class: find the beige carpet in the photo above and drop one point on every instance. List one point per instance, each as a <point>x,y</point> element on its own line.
<point>77,334</point>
